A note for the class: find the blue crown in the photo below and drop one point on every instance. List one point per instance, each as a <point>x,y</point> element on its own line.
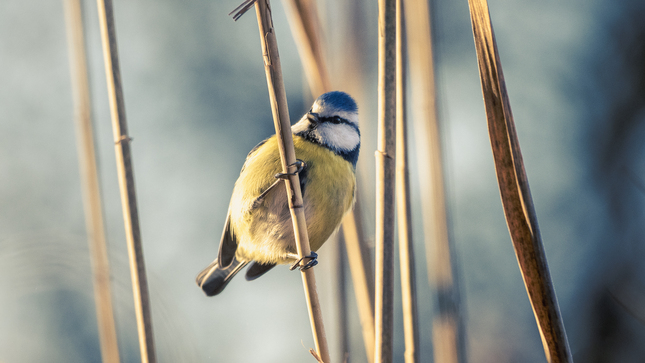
<point>337,100</point>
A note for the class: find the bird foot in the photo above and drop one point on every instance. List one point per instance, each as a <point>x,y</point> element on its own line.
<point>313,256</point>
<point>300,166</point>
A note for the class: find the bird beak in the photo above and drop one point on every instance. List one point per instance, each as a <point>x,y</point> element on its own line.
<point>313,120</point>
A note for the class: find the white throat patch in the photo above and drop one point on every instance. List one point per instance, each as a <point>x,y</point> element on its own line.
<point>338,136</point>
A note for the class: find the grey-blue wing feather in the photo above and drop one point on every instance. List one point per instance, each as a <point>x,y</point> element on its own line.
<point>227,245</point>
<point>257,269</point>
<point>214,278</point>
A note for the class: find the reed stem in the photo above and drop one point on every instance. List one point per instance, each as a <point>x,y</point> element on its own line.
<point>341,298</point>
<point>404,210</point>
<point>385,182</point>
<point>90,183</point>
<point>360,265</point>
<point>304,23</point>
<point>126,182</point>
<point>447,335</point>
<point>278,99</point>
<point>514,189</point>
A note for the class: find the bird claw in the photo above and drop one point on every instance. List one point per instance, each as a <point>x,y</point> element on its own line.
<point>313,256</point>
<point>300,166</point>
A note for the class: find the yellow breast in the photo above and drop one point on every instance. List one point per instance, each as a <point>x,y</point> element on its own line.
<point>265,233</point>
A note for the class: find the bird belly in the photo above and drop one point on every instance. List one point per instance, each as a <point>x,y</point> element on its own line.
<point>264,233</point>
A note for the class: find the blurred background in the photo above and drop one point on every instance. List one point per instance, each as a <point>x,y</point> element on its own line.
<point>197,102</point>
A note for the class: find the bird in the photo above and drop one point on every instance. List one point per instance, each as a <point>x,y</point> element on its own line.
<point>258,228</point>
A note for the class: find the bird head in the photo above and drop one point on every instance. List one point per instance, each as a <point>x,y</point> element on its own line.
<point>332,122</point>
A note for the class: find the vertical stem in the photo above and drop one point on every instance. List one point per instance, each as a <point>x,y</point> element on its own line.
<point>385,157</point>
<point>90,183</point>
<point>304,24</point>
<point>514,189</point>
<point>341,287</point>
<point>278,99</point>
<point>126,182</point>
<point>360,265</point>
<point>447,332</point>
<point>404,210</point>
<point>349,74</point>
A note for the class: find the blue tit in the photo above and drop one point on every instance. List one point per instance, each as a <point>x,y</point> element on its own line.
<point>258,228</point>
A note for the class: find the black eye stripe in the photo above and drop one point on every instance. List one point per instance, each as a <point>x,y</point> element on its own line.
<point>335,120</point>
<point>339,121</point>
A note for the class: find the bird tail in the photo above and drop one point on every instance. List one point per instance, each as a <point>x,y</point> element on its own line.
<point>214,278</point>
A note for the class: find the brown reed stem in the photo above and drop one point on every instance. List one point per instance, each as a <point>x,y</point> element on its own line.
<point>341,297</point>
<point>514,189</point>
<point>90,183</point>
<point>278,99</point>
<point>349,75</point>
<point>385,182</point>
<point>304,23</point>
<point>126,182</point>
<point>404,210</point>
<point>360,265</point>
<point>447,332</point>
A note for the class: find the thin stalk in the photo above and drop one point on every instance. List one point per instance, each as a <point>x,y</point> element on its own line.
<point>360,265</point>
<point>404,210</point>
<point>447,335</point>
<point>343,331</point>
<point>278,99</point>
<point>304,22</point>
<point>514,189</point>
<point>126,182</point>
<point>385,182</point>
<point>90,183</point>
<point>350,59</point>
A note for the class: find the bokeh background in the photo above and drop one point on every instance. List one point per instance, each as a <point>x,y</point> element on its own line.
<point>196,102</point>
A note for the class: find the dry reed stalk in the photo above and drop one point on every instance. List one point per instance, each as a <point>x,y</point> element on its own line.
<point>514,189</point>
<point>304,21</point>
<point>90,183</point>
<point>350,76</point>
<point>447,332</point>
<point>126,182</point>
<point>341,297</point>
<point>360,266</point>
<point>404,210</point>
<point>305,27</point>
<point>278,99</point>
<point>385,182</point>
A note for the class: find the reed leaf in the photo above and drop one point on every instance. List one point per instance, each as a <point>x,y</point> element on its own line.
<point>514,189</point>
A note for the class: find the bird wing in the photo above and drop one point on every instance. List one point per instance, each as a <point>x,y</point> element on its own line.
<point>257,269</point>
<point>255,148</point>
<point>265,191</point>
<point>227,245</point>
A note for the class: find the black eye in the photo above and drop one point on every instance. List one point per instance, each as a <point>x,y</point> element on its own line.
<point>336,120</point>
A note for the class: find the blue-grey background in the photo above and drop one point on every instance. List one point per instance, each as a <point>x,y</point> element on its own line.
<point>196,103</point>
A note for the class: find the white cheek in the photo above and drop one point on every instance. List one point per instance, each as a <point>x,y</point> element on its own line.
<point>339,136</point>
